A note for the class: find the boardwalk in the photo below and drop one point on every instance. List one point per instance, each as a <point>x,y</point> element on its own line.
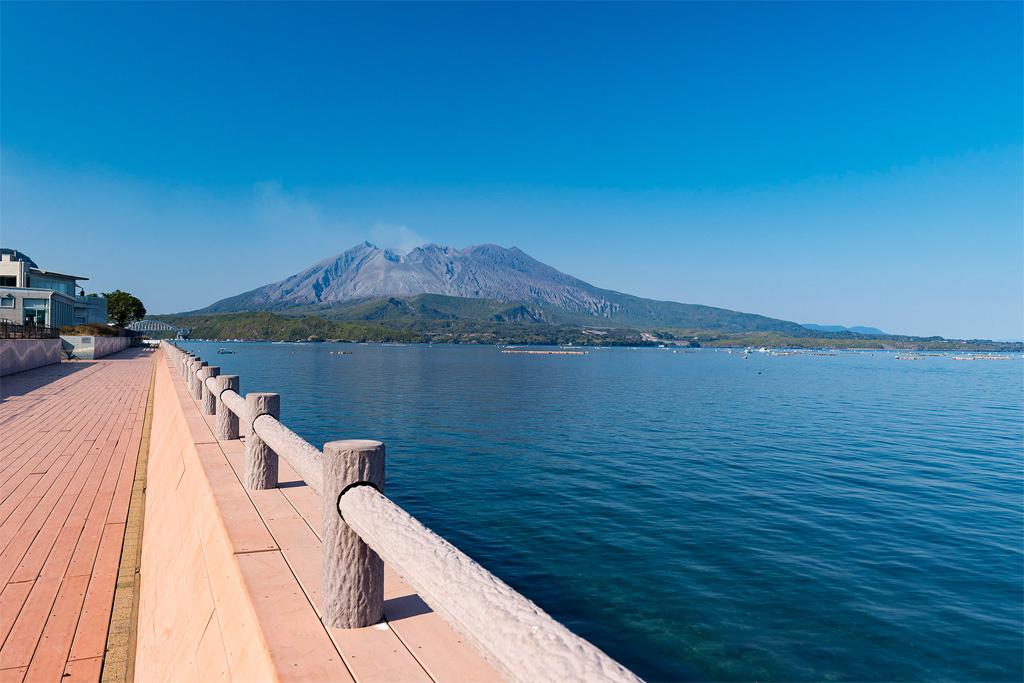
<point>69,443</point>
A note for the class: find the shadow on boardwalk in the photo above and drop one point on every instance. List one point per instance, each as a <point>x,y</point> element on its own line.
<point>27,381</point>
<point>22,383</point>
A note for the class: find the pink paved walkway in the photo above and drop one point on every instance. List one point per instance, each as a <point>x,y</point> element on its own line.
<point>69,441</point>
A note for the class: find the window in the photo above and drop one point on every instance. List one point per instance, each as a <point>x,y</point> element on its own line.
<point>6,301</point>
<point>62,286</point>
<point>35,311</point>
<point>61,313</point>
<point>8,281</point>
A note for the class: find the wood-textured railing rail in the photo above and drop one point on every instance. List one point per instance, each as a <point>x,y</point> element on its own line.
<point>363,528</point>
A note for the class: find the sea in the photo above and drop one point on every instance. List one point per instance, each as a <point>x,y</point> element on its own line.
<point>706,515</point>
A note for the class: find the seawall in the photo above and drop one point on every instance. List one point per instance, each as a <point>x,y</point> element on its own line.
<point>231,579</point>
<point>197,620</point>
<point>18,355</point>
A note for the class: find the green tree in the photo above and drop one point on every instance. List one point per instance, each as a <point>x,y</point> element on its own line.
<point>123,308</point>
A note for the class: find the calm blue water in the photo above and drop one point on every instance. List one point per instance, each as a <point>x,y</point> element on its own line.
<point>702,517</point>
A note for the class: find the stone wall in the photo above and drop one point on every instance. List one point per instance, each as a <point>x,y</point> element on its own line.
<point>104,346</point>
<point>18,355</point>
<point>91,348</point>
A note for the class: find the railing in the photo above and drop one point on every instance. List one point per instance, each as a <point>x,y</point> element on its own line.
<point>363,529</point>
<point>12,330</point>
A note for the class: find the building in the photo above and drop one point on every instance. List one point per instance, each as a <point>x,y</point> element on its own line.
<point>30,295</point>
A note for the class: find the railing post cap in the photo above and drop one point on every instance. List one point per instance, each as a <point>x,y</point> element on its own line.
<point>262,403</point>
<point>352,445</point>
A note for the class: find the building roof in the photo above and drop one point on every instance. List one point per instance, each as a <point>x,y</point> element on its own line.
<point>33,268</point>
<point>40,271</point>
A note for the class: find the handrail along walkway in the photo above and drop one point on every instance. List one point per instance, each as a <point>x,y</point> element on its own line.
<point>363,528</point>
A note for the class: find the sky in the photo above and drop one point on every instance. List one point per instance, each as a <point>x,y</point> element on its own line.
<point>854,164</point>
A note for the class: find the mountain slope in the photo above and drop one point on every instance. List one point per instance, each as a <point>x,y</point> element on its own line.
<point>857,329</point>
<point>369,283</point>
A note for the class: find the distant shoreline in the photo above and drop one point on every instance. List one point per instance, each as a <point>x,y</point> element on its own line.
<point>267,326</point>
<point>950,347</point>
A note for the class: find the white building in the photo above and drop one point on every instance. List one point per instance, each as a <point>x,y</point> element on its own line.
<point>33,296</point>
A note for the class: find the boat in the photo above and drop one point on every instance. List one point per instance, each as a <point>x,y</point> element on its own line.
<point>223,350</point>
<point>545,352</point>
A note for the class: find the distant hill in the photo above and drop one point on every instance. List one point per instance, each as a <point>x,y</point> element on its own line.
<point>416,320</point>
<point>872,331</point>
<point>481,283</point>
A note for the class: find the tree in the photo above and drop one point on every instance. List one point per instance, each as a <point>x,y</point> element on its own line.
<point>123,308</point>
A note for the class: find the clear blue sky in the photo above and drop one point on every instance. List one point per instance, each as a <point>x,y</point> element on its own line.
<point>818,162</point>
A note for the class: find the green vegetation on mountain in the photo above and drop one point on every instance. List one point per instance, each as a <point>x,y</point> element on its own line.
<point>849,340</point>
<point>272,327</point>
<point>427,319</point>
<point>424,310</point>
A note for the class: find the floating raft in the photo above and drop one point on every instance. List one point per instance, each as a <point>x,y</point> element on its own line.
<point>545,352</point>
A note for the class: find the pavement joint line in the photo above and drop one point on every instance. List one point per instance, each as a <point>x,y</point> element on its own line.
<point>122,632</point>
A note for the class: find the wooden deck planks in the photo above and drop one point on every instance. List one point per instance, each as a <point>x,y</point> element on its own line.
<point>69,439</point>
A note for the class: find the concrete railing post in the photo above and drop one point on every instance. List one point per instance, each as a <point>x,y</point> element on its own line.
<point>353,574</point>
<point>208,402</point>
<point>194,382</point>
<point>260,459</point>
<point>226,428</point>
